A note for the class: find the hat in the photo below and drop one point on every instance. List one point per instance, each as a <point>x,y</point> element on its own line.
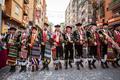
<point>105,24</point>
<point>93,24</point>
<point>34,28</point>
<point>69,27</point>
<point>46,24</point>
<point>23,27</point>
<point>57,26</point>
<point>12,28</point>
<point>78,24</point>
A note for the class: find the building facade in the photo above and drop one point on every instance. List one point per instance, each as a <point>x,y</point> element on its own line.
<point>40,13</point>
<point>115,8</point>
<point>104,14</point>
<point>12,14</point>
<point>71,13</point>
<point>17,13</point>
<point>79,11</point>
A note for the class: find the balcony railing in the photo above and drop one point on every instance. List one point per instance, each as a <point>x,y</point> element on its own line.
<point>26,1</point>
<point>114,4</point>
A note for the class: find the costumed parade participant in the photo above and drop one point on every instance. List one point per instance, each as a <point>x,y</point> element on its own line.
<point>116,35</point>
<point>45,47</point>
<point>34,48</point>
<point>92,45</point>
<point>68,47</point>
<point>79,41</point>
<point>23,52</point>
<point>103,47</point>
<point>12,46</point>
<point>57,47</point>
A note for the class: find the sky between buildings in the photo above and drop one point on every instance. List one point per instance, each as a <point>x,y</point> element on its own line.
<point>56,10</point>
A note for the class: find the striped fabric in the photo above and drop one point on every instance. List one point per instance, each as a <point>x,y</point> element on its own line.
<point>48,50</point>
<point>110,52</point>
<point>12,55</point>
<point>35,50</point>
<point>35,60</point>
<point>23,53</point>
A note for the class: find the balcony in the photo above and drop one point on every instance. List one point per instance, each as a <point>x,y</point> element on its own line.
<point>26,9</point>
<point>26,1</point>
<point>115,5</point>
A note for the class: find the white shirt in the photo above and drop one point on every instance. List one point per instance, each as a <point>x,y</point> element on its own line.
<point>69,36</point>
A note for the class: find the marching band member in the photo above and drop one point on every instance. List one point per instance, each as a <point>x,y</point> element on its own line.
<point>79,40</point>
<point>44,39</point>
<point>45,47</point>
<point>104,47</point>
<point>114,39</point>
<point>92,46</point>
<point>68,47</point>
<point>117,40</point>
<point>57,38</point>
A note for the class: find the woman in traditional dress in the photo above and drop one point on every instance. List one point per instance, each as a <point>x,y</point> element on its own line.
<point>23,53</point>
<point>34,48</point>
<point>12,45</point>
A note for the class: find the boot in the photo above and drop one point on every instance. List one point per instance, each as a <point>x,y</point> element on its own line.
<point>106,65</point>
<point>116,62</point>
<point>56,66</point>
<point>37,68</point>
<point>12,69</point>
<point>66,65</point>
<point>102,65</point>
<point>77,64</point>
<point>22,68</point>
<point>33,68</point>
<point>47,67</point>
<point>43,66</point>
<point>114,65</point>
<point>81,64</point>
<point>70,64</point>
<point>89,64</point>
<point>93,64</point>
<point>60,65</point>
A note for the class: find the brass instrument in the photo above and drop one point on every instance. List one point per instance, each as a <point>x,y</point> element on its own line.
<point>115,45</point>
<point>91,38</point>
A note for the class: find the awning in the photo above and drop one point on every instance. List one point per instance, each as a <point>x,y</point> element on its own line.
<point>115,24</point>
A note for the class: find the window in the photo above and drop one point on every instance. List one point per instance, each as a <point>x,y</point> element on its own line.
<point>17,10</point>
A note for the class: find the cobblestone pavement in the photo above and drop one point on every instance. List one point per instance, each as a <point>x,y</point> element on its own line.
<point>69,74</point>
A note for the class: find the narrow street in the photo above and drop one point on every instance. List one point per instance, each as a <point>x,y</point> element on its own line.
<point>69,74</point>
<point>59,39</point>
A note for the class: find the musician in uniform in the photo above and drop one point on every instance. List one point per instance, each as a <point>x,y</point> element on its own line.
<point>12,46</point>
<point>68,47</point>
<point>116,37</point>
<point>103,46</point>
<point>92,45</point>
<point>79,40</point>
<point>45,44</point>
<point>44,39</point>
<point>58,39</point>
